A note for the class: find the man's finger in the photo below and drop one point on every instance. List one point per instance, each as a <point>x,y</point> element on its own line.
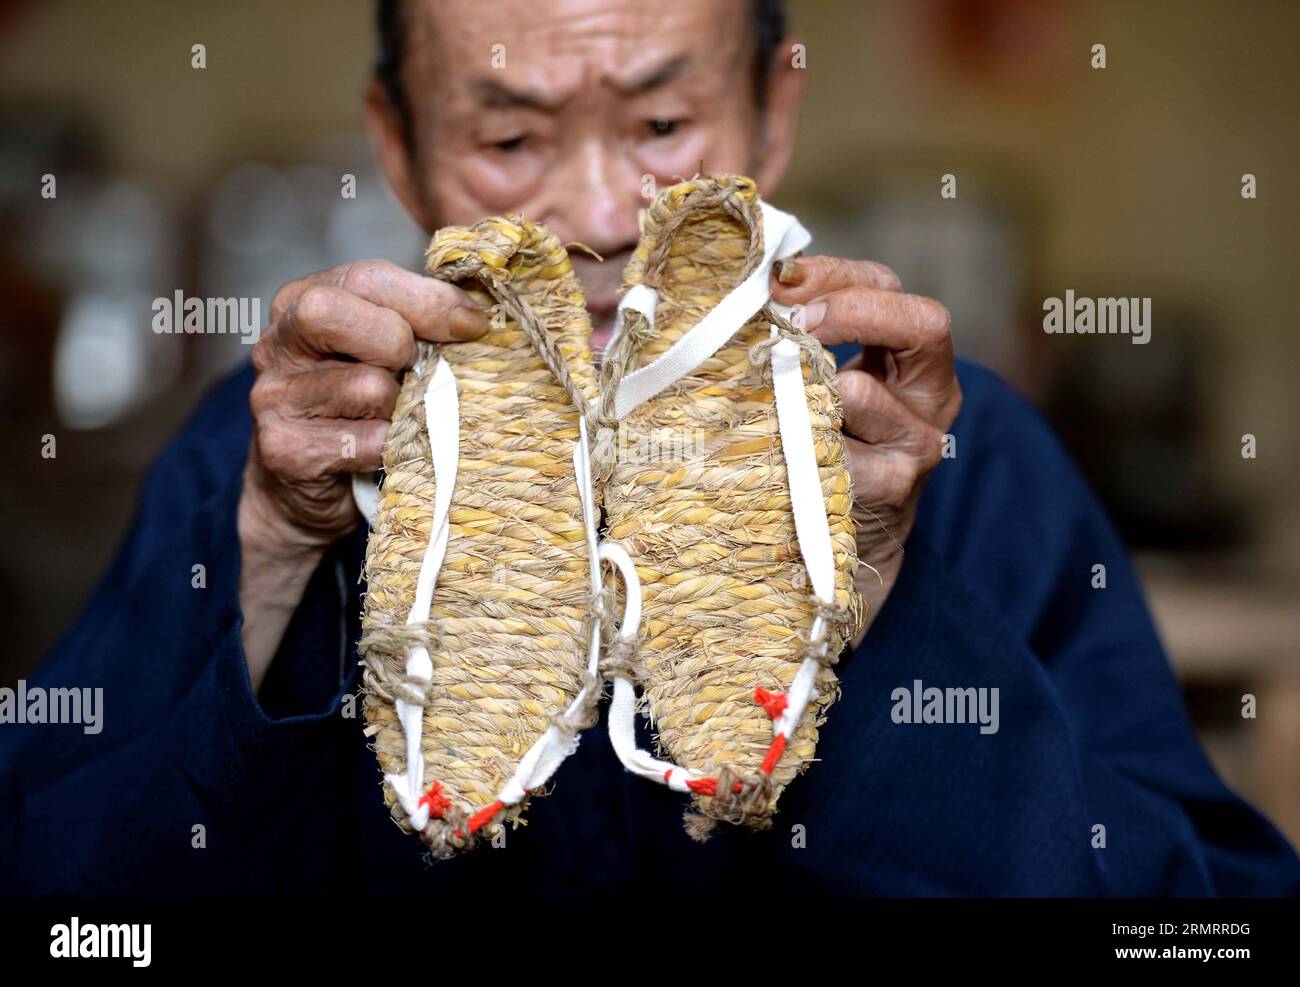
<point>344,390</point>
<point>871,317</point>
<point>875,361</point>
<point>801,279</point>
<point>883,480</point>
<point>360,444</point>
<point>332,322</point>
<point>914,329</point>
<point>310,450</point>
<point>435,310</point>
<point>873,413</point>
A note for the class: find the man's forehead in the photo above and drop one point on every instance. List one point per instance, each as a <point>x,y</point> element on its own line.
<point>550,46</point>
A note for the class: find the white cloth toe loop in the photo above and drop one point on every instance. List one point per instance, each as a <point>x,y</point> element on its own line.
<point>783,237</point>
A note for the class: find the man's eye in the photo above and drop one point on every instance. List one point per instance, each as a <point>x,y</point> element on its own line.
<point>511,144</point>
<point>662,128</point>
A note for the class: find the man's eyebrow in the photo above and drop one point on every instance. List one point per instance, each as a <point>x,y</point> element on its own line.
<point>497,95</point>
<point>654,77</point>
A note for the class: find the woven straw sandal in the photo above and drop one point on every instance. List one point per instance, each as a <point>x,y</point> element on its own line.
<point>480,643</point>
<point>745,568</point>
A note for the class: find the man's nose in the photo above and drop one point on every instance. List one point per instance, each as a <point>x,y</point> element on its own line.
<point>598,200</point>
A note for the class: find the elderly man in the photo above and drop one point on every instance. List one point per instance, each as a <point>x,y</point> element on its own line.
<point>232,758</point>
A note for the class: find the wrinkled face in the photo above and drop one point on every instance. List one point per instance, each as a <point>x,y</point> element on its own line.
<point>564,111</point>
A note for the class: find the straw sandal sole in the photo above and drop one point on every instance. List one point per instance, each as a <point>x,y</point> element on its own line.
<point>726,598</point>
<point>506,625</point>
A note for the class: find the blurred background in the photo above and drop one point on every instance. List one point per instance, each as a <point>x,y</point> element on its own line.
<point>1124,181</point>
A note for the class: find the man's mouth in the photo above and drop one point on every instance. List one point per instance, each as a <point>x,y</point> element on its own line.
<point>601,286</point>
<point>602,325</point>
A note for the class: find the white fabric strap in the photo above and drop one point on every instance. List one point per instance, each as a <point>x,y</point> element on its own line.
<point>442,422</point>
<point>807,502</point>
<point>365,486</point>
<point>783,236</point>
<point>549,751</point>
<point>622,708</point>
<point>639,298</point>
<point>365,493</point>
<point>812,528</point>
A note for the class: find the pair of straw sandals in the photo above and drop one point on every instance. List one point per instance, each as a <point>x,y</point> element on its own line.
<point>492,615</point>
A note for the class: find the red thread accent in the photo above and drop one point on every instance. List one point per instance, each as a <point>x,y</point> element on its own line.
<point>773,754</point>
<point>703,786</point>
<point>434,798</point>
<point>668,774</point>
<point>709,786</point>
<point>484,816</point>
<point>773,703</point>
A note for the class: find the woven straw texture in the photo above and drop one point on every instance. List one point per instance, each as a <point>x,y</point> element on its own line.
<point>506,630</point>
<point>726,596</point>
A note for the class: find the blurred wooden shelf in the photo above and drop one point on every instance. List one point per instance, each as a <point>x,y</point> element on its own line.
<point>1222,628</point>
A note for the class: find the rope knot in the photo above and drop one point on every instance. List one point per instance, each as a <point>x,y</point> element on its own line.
<point>604,453</point>
<point>745,801</point>
<point>833,613</point>
<point>818,647</point>
<point>620,660</point>
<point>413,690</point>
<point>760,354</point>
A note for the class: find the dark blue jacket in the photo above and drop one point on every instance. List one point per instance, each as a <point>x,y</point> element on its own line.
<point>996,591</point>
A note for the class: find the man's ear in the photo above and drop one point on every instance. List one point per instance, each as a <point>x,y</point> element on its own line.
<point>786,85</point>
<point>395,156</point>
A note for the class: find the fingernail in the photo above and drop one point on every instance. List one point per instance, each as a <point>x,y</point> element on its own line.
<point>813,313</point>
<point>789,271</point>
<point>467,322</point>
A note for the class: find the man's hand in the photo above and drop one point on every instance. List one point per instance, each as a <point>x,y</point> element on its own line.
<point>327,380</point>
<point>900,396</point>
